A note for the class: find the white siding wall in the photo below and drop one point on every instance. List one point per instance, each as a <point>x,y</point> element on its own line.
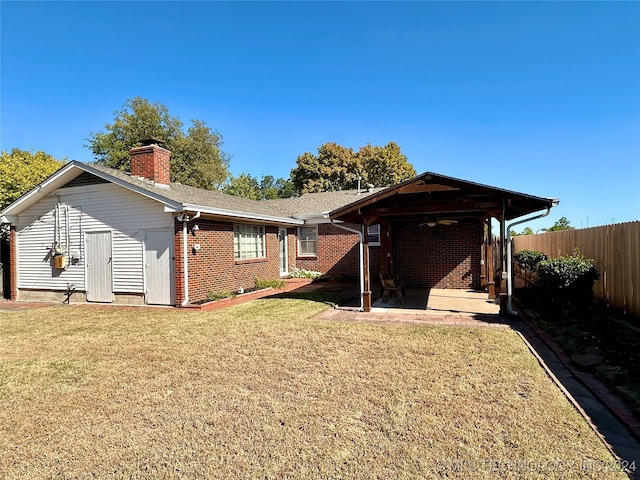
<point>91,208</point>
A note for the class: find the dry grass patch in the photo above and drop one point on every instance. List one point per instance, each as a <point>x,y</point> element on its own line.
<point>262,390</point>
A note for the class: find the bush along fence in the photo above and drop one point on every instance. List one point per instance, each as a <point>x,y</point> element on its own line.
<point>615,250</point>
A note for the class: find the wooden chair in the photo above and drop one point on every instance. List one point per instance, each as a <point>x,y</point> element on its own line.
<point>391,286</point>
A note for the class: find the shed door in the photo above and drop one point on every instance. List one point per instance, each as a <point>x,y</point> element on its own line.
<point>158,260</point>
<point>99,267</point>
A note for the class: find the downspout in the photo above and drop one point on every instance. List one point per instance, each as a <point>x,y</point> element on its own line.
<point>185,259</point>
<point>361,235</point>
<point>510,309</point>
<point>185,254</point>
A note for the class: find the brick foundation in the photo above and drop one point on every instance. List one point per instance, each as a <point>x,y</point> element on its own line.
<point>34,295</point>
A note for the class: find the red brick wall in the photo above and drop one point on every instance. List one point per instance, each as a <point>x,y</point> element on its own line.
<point>446,256</point>
<point>338,253</point>
<point>151,162</point>
<point>213,267</point>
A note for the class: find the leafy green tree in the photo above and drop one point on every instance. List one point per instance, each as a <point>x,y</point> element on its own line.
<point>268,187</point>
<point>385,166</point>
<point>276,188</point>
<point>526,231</point>
<point>561,224</point>
<point>338,168</point>
<point>244,185</point>
<point>286,188</point>
<point>196,156</point>
<point>567,282</point>
<point>334,168</point>
<point>528,261</point>
<point>197,159</point>
<point>247,186</point>
<point>21,170</point>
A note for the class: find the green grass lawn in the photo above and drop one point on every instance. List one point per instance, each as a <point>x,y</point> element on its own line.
<point>261,390</point>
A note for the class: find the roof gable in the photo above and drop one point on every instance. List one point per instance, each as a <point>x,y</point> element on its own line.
<point>434,195</point>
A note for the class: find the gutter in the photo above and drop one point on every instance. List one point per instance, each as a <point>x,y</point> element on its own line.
<point>239,214</point>
<point>510,310</point>
<point>361,234</point>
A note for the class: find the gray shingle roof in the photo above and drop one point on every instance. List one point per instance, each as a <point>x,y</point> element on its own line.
<point>317,203</point>
<point>307,204</point>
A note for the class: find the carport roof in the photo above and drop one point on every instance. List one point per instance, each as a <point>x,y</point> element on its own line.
<point>431,195</point>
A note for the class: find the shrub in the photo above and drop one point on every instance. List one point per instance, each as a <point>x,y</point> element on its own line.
<point>567,281</point>
<point>528,261</point>
<point>220,294</point>
<point>302,273</point>
<point>269,283</point>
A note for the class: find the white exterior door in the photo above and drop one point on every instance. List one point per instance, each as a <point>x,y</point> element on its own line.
<point>158,267</point>
<point>284,258</point>
<point>99,267</point>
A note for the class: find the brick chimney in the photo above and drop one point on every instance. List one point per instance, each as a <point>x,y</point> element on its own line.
<point>151,162</point>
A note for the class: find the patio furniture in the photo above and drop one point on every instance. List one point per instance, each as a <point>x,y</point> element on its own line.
<point>391,286</point>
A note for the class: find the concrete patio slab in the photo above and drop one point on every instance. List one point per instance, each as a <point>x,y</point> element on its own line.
<point>438,301</point>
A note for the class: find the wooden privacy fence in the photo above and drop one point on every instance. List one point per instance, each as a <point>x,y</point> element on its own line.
<point>615,250</point>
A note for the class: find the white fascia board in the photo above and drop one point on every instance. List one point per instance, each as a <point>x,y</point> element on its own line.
<point>237,214</point>
<point>40,189</point>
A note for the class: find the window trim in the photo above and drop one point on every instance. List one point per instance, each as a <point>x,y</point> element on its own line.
<point>378,234</point>
<point>262,233</point>
<point>307,255</point>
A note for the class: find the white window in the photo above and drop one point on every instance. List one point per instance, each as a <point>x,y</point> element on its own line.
<point>308,241</point>
<point>373,235</point>
<point>248,242</point>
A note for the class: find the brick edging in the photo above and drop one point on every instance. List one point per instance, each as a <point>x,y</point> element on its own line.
<point>227,302</point>
<point>618,407</point>
<point>291,284</point>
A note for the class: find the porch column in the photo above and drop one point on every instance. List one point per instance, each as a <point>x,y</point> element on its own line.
<point>498,277</point>
<point>366,294</point>
<point>490,268</point>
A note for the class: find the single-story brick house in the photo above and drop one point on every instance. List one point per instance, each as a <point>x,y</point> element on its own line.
<point>91,233</point>
<point>138,238</point>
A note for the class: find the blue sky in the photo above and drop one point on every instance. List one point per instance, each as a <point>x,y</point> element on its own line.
<point>542,98</point>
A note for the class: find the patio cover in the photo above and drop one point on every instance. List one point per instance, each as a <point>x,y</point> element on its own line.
<point>432,197</point>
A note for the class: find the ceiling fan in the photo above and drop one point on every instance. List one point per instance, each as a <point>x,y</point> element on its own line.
<point>432,222</point>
